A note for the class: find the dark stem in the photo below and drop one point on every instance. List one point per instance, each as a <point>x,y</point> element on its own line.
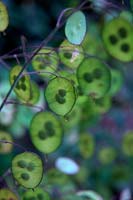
<point>26,64</point>
<point>13,143</point>
<point>25,104</point>
<point>44,42</point>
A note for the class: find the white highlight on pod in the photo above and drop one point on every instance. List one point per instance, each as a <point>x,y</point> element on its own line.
<point>67,165</point>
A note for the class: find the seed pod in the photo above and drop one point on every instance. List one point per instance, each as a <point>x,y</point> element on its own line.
<point>4,18</point>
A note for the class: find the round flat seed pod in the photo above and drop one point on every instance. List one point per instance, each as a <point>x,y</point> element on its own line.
<point>6,194</point>
<point>60,95</point>
<point>37,194</point>
<point>94,77</point>
<point>4,18</point>
<point>102,105</point>
<point>127,15</point>
<point>127,143</point>
<point>53,177</point>
<point>118,39</point>
<point>35,93</point>
<point>72,119</point>
<point>117,80</point>
<point>92,45</point>
<point>48,135</point>
<point>107,155</point>
<point>86,145</point>
<point>46,61</point>
<point>75,28</point>
<point>27,169</point>
<point>70,55</point>
<point>70,76</point>
<point>5,147</point>
<point>23,87</point>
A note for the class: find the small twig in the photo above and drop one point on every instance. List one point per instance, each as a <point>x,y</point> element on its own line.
<point>16,57</point>
<point>26,64</point>
<point>38,72</point>
<point>13,143</point>
<point>3,63</point>
<point>43,43</point>
<point>25,104</point>
<point>23,41</point>
<point>61,15</point>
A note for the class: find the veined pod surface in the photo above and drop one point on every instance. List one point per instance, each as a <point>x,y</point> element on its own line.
<point>4,18</point>
<point>75,28</point>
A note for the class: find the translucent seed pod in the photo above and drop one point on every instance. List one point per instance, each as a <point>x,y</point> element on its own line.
<point>4,18</point>
<point>118,39</point>
<point>94,77</point>
<point>60,95</point>
<point>27,169</point>
<point>23,86</point>
<point>47,136</point>
<point>75,28</point>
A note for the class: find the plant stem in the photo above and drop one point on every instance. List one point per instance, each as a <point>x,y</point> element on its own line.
<point>13,143</point>
<point>50,36</point>
<point>25,104</point>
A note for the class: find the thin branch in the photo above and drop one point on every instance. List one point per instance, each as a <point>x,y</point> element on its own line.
<point>13,143</point>
<point>50,36</point>
<point>25,104</point>
<point>23,41</point>
<point>3,63</point>
<point>43,43</point>
<point>61,15</point>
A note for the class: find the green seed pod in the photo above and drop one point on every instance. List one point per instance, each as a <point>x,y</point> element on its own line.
<point>37,194</point>
<point>23,87</point>
<point>60,95</point>
<point>75,28</point>
<point>6,194</point>
<point>118,39</point>
<point>93,46</point>
<point>5,147</point>
<point>127,144</point>
<point>53,177</point>
<point>107,155</point>
<point>70,55</point>
<point>27,169</point>
<point>4,18</point>
<point>94,77</point>
<point>102,105</point>
<point>116,81</point>
<point>48,135</point>
<point>35,93</point>
<point>46,61</point>
<point>86,145</point>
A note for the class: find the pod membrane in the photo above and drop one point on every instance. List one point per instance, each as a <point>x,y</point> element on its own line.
<point>27,169</point>
<point>46,132</point>
<point>94,77</point>
<point>60,95</point>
